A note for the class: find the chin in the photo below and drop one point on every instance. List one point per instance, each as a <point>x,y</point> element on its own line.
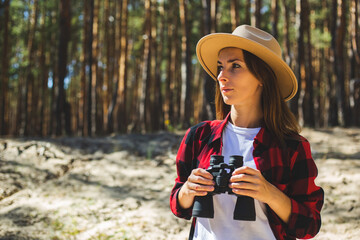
<point>228,101</point>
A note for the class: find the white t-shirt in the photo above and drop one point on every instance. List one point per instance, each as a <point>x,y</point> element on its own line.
<point>236,141</point>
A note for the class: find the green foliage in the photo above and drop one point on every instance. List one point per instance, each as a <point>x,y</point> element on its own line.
<point>320,39</point>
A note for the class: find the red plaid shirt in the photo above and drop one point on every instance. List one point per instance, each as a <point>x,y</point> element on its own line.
<point>290,168</point>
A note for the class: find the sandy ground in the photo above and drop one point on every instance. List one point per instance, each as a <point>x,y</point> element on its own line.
<point>118,187</point>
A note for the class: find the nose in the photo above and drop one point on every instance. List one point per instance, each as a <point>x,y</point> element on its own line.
<point>222,76</point>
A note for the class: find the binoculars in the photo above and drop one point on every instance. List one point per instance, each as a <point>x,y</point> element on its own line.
<point>221,172</point>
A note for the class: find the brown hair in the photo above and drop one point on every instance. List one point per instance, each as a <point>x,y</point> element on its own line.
<point>278,118</point>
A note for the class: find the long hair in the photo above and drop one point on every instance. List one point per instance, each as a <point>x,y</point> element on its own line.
<point>278,118</point>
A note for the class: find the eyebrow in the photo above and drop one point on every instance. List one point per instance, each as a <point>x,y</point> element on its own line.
<point>231,60</point>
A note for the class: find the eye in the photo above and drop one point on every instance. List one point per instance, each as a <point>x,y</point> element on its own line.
<point>236,65</point>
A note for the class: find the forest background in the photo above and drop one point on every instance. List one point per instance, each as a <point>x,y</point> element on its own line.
<point>125,73</point>
<point>90,68</point>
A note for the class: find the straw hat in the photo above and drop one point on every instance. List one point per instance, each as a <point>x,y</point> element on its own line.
<point>253,40</point>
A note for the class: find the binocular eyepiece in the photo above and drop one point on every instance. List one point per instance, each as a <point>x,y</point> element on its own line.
<point>222,172</point>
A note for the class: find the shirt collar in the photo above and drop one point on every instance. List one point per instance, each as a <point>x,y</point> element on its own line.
<point>263,137</point>
<point>218,129</point>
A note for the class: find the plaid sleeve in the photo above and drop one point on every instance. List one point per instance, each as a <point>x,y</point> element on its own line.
<point>306,198</point>
<point>184,167</point>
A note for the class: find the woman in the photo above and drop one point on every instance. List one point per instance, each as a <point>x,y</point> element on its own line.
<point>253,83</point>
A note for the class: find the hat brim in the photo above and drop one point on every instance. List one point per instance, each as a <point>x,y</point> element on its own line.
<point>208,48</point>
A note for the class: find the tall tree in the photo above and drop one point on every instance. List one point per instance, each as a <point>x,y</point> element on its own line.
<point>90,92</point>
<point>44,75</point>
<point>308,98</point>
<point>355,45</point>
<point>186,78</point>
<point>333,110</point>
<point>94,66</point>
<point>248,12</point>
<point>286,34</point>
<point>340,63</point>
<point>4,76</point>
<point>84,58</point>
<point>300,66</point>
<point>275,17</point>
<point>156,101</point>
<point>145,66</point>
<point>209,85</point>
<point>121,110</point>
<point>109,50</point>
<point>234,13</point>
<point>62,106</point>
<point>170,64</point>
<point>355,33</point>
<point>257,21</point>
<point>97,76</point>
<point>26,93</point>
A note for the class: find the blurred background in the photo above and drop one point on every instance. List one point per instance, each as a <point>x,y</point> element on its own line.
<point>86,68</point>
<point>125,73</point>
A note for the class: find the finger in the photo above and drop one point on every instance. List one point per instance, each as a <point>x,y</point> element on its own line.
<point>243,178</point>
<point>245,192</point>
<point>247,170</point>
<point>243,185</point>
<point>200,188</point>
<point>200,180</point>
<point>202,172</point>
<point>197,193</point>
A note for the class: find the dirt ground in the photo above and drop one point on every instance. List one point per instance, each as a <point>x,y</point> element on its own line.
<point>118,187</point>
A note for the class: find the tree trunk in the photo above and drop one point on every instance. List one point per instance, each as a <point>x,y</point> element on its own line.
<point>308,100</point>
<point>355,45</point>
<point>29,77</point>
<point>158,116</point>
<point>99,83</point>
<point>94,68</point>
<point>61,104</point>
<point>120,110</point>
<point>44,75</point>
<point>112,121</point>
<point>275,17</point>
<point>340,65</point>
<point>90,74</point>
<point>4,77</point>
<point>108,41</point>
<point>355,33</point>
<point>248,12</point>
<point>333,109</point>
<point>171,53</point>
<point>286,49</point>
<point>328,70</point>
<point>160,58</point>
<point>185,106</point>
<point>213,13</point>
<point>257,16</point>
<point>145,65</point>
<point>300,66</point>
<point>83,100</point>
<point>209,84</point>
<point>234,13</point>
<point>54,68</point>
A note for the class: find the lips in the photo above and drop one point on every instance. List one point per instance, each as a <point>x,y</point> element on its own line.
<point>225,89</point>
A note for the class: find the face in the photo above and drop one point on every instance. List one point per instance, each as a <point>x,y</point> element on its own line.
<point>237,84</point>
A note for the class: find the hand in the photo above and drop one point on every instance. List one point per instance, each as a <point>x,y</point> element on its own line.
<point>199,183</point>
<point>250,182</point>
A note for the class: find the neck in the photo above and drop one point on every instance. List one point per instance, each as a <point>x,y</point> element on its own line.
<point>246,116</point>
